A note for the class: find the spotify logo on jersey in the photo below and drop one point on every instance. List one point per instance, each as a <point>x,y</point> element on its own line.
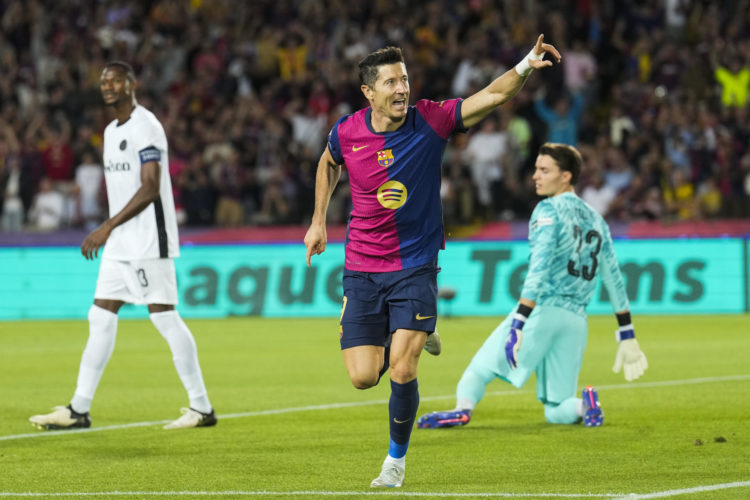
<point>392,194</point>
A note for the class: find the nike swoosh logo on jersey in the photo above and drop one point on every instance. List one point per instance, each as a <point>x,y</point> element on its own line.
<point>355,148</point>
<point>420,317</point>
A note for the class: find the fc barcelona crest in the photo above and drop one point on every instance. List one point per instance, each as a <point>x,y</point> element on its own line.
<point>385,158</point>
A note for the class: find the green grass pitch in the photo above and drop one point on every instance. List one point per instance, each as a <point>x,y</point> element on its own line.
<point>291,425</point>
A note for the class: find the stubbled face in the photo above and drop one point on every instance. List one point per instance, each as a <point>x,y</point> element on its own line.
<point>390,95</point>
<point>549,179</point>
<point>115,86</point>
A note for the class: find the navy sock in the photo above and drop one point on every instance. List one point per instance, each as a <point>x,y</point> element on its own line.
<point>402,408</point>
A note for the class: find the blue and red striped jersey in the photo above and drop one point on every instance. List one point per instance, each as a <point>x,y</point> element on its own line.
<point>396,220</point>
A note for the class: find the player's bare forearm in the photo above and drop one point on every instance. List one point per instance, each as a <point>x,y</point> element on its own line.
<point>500,91</point>
<point>326,178</point>
<point>507,85</point>
<point>140,200</point>
<point>98,237</point>
<point>146,194</point>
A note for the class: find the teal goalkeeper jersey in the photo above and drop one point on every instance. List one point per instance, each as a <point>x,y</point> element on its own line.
<point>570,245</point>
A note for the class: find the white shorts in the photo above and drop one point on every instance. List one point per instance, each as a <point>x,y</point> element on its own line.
<point>150,281</point>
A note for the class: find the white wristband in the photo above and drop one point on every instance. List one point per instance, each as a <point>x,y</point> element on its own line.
<point>523,68</point>
<point>625,332</point>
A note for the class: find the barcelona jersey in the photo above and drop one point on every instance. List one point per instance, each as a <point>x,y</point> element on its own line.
<point>396,220</point>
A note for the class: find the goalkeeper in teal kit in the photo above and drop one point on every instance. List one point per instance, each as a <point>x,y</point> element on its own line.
<point>546,334</point>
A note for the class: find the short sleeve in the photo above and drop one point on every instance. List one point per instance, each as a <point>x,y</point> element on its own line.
<point>150,140</point>
<point>334,144</point>
<point>443,117</point>
<point>149,154</point>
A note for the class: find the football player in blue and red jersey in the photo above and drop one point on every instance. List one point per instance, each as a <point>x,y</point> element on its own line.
<point>393,153</point>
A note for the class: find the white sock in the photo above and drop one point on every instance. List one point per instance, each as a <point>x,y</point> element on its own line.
<point>465,404</point>
<point>400,462</point>
<point>99,347</point>
<point>184,355</point>
<point>580,408</point>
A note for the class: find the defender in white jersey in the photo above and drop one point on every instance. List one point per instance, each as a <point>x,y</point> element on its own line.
<point>570,245</point>
<point>137,262</point>
<point>151,234</point>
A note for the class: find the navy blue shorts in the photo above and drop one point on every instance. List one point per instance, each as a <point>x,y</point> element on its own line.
<point>377,304</point>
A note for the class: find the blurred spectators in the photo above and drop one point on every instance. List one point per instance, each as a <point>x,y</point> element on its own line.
<point>679,195</point>
<point>562,119</point>
<point>580,68</point>
<point>10,195</point>
<point>229,178</point>
<point>247,92</point>
<point>599,194</point>
<point>48,208</point>
<point>88,193</point>
<point>485,155</point>
<point>198,193</point>
<point>11,203</point>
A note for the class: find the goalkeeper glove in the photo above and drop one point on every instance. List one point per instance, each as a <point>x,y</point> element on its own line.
<point>629,355</point>
<point>515,338</point>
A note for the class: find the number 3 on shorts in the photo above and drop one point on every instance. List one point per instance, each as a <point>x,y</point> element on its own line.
<point>142,277</point>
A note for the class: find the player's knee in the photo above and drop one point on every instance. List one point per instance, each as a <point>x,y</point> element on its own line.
<point>362,380</point>
<point>403,374</point>
<point>102,321</point>
<point>556,414</point>
<point>550,415</point>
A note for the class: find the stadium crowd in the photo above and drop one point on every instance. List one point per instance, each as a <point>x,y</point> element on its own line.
<point>653,93</point>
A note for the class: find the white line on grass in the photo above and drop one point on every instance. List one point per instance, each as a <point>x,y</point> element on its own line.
<point>311,494</point>
<point>333,406</point>
<point>685,491</point>
<point>617,496</point>
<point>667,383</point>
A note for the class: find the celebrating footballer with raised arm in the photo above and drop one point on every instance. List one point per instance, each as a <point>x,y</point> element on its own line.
<point>393,153</point>
<point>137,264</point>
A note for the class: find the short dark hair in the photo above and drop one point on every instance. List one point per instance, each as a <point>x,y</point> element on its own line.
<point>368,67</point>
<point>125,67</point>
<point>567,158</point>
